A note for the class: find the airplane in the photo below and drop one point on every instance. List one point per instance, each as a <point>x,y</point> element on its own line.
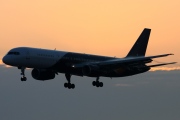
<point>46,64</point>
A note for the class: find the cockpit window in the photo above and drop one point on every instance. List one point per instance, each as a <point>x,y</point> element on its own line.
<point>13,53</point>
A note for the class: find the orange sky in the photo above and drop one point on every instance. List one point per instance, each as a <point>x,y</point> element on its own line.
<point>101,27</point>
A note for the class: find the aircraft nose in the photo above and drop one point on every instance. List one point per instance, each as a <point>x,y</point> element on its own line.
<point>4,59</point>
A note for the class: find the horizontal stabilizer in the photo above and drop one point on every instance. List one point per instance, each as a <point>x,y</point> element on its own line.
<point>120,62</point>
<point>162,64</point>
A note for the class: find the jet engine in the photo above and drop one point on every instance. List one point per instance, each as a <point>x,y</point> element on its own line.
<point>39,74</point>
<point>91,70</point>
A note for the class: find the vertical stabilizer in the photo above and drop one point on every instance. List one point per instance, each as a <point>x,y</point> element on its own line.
<point>139,48</point>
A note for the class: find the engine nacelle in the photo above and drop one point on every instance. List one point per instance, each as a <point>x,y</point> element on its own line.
<point>39,74</point>
<point>91,70</point>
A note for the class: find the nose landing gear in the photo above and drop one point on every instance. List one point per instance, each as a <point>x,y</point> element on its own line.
<point>23,78</point>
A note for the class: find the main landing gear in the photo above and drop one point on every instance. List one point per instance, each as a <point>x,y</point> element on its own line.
<point>68,84</point>
<point>97,83</point>
<point>23,78</point>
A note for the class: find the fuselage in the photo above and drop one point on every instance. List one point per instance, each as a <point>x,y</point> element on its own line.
<point>60,61</point>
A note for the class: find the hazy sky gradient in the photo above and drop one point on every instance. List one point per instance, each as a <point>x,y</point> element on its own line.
<point>98,26</point>
<point>149,96</point>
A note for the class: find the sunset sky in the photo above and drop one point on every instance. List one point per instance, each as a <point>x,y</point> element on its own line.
<point>102,27</point>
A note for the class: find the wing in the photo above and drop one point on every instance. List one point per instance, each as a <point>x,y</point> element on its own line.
<point>115,63</point>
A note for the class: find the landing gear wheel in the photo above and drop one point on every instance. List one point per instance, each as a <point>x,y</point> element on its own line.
<point>100,84</point>
<point>65,85</point>
<point>69,85</point>
<point>97,84</point>
<point>23,78</point>
<point>72,86</point>
<point>94,83</point>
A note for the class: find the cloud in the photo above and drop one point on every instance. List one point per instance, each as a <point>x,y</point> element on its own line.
<point>1,62</point>
<point>165,68</point>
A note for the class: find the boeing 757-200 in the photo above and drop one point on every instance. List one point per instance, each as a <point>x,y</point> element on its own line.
<point>47,64</point>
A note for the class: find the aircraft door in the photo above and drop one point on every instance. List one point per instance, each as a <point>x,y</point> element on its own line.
<point>27,58</point>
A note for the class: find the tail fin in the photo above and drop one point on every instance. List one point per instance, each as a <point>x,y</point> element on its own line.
<point>139,48</point>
